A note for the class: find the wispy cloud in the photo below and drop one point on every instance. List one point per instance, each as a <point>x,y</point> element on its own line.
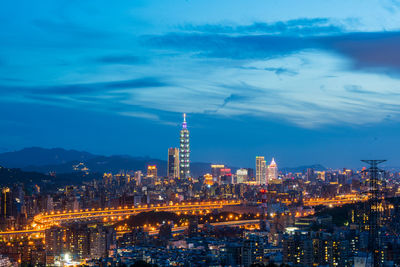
<point>85,88</point>
<point>142,115</point>
<point>148,116</point>
<point>262,69</point>
<point>123,59</point>
<point>357,89</point>
<point>372,51</point>
<point>297,98</point>
<point>295,27</point>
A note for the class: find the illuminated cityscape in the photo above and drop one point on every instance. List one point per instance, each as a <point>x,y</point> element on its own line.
<point>200,133</point>
<point>306,217</point>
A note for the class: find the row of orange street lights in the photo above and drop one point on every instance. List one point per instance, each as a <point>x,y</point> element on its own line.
<point>221,202</point>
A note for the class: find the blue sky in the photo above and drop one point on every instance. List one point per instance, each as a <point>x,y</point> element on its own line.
<point>306,82</point>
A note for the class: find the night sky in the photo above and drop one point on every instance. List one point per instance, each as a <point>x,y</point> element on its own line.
<point>305,82</point>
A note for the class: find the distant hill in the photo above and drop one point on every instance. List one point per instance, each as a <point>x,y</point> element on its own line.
<point>42,160</point>
<point>36,156</point>
<point>60,160</point>
<point>10,176</point>
<point>316,167</point>
<point>115,164</point>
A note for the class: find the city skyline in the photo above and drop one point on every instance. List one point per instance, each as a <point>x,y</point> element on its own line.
<point>200,133</point>
<point>295,83</point>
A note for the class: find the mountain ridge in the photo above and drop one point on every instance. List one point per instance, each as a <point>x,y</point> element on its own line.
<point>59,160</point>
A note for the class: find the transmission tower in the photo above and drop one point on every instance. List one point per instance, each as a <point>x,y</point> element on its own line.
<point>374,211</point>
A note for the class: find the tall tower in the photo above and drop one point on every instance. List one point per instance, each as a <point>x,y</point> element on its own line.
<point>173,163</point>
<point>261,168</point>
<point>184,151</point>
<point>272,171</point>
<point>374,211</point>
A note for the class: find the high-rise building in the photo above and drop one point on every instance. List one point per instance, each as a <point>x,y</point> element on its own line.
<point>252,249</point>
<point>184,151</point>
<point>272,171</point>
<point>152,171</point>
<point>226,176</point>
<point>261,169</point>
<point>53,244</point>
<point>298,248</point>
<point>173,163</point>
<point>216,171</point>
<point>241,176</point>
<point>310,174</point>
<point>193,229</point>
<point>250,173</point>
<point>208,179</point>
<point>6,203</point>
<point>138,178</point>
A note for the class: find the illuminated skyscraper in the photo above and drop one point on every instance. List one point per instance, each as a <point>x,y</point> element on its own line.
<point>138,178</point>
<point>208,179</point>
<point>261,169</point>
<point>6,201</point>
<point>184,151</point>
<point>241,176</point>
<point>272,171</point>
<point>216,171</point>
<point>152,171</point>
<point>173,163</point>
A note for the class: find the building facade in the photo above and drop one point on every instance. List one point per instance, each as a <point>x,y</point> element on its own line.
<point>152,171</point>
<point>272,171</point>
<point>261,169</point>
<point>184,151</point>
<point>173,163</point>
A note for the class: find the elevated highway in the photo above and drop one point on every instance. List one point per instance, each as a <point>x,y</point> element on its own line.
<point>43,221</point>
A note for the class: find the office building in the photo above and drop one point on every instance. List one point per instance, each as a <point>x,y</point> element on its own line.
<point>298,248</point>
<point>252,249</point>
<point>241,176</point>
<point>226,176</point>
<point>310,175</point>
<point>152,171</point>
<point>261,168</point>
<point>173,163</point>
<point>216,171</point>
<point>138,178</point>
<point>208,179</point>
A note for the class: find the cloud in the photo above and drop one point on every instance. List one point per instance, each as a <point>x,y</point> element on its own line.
<point>372,51</point>
<point>251,90</point>
<point>86,88</point>
<point>234,47</point>
<point>148,116</point>
<point>122,59</point>
<point>392,6</point>
<point>279,71</point>
<point>357,89</point>
<point>142,115</point>
<point>230,99</point>
<point>299,27</point>
<point>266,70</point>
